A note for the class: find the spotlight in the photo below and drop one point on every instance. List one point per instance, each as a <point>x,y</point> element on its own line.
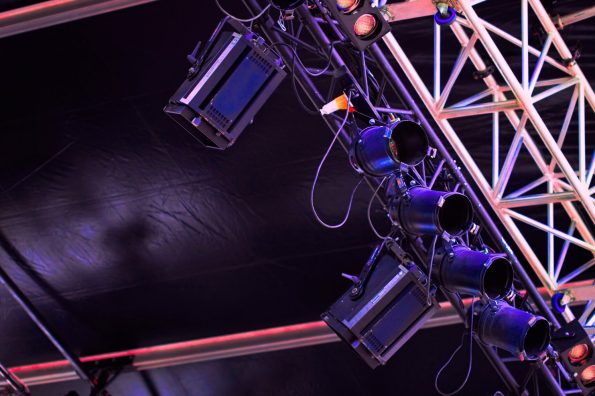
<point>422,211</point>
<point>575,348</point>
<point>385,307</point>
<point>579,354</point>
<point>229,81</point>
<point>361,23</point>
<point>518,332</point>
<point>365,25</point>
<point>380,150</point>
<point>347,6</point>
<point>286,5</point>
<point>588,376</point>
<point>467,271</point>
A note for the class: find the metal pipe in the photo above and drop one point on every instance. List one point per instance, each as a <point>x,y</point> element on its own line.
<point>33,313</point>
<point>55,12</point>
<point>13,381</point>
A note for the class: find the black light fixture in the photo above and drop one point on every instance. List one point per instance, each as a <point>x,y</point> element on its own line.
<point>519,332</point>
<point>362,23</point>
<point>230,80</point>
<point>421,211</point>
<point>466,271</point>
<point>380,150</point>
<point>575,349</point>
<point>385,307</point>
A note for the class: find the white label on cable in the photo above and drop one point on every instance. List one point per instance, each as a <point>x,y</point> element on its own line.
<point>188,98</point>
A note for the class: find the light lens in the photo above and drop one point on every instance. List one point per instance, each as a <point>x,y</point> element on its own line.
<point>578,354</point>
<point>365,25</point>
<point>347,6</point>
<point>588,376</point>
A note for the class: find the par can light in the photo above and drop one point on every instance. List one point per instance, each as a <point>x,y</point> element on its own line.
<point>578,354</point>
<point>518,332</point>
<point>427,212</point>
<point>347,6</point>
<point>380,150</point>
<point>366,25</point>
<point>588,376</point>
<point>466,271</point>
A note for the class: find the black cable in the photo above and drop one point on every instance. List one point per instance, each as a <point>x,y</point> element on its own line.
<point>430,265</point>
<point>313,189</point>
<point>370,207</point>
<point>261,13</point>
<point>436,386</point>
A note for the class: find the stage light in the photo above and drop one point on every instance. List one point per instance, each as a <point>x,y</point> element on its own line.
<point>384,308</point>
<point>380,150</point>
<point>466,271</point>
<point>229,81</point>
<point>347,6</point>
<point>575,348</point>
<point>422,211</point>
<point>579,354</point>
<point>518,332</point>
<point>588,376</point>
<point>361,23</point>
<point>365,25</point>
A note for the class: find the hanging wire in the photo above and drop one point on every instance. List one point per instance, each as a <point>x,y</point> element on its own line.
<point>299,61</point>
<point>313,189</point>
<point>436,386</point>
<point>246,20</point>
<point>430,265</point>
<point>374,230</point>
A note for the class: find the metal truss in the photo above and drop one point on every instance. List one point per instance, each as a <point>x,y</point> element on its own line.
<point>558,202</point>
<point>371,77</point>
<point>224,346</point>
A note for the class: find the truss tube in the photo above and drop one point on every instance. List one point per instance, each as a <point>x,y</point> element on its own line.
<point>32,311</point>
<point>232,345</point>
<point>561,46</point>
<point>526,102</point>
<point>54,12</point>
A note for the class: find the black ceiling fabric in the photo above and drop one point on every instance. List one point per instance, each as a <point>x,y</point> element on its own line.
<point>137,235</point>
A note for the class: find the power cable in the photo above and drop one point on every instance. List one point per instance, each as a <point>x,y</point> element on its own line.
<point>261,13</point>
<point>374,230</point>
<point>313,189</point>
<point>436,386</point>
<point>430,265</point>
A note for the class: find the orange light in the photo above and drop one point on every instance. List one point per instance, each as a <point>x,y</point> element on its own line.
<point>578,354</point>
<point>365,25</point>
<point>347,6</point>
<point>588,376</point>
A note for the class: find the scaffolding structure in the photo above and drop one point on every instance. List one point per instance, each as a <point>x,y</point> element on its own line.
<point>567,180</point>
<point>564,182</point>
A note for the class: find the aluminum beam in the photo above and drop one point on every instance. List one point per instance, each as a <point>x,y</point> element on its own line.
<point>232,345</point>
<point>55,12</point>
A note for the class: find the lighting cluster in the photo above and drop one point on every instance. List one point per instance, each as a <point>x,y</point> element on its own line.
<point>362,23</point>
<point>575,350</point>
<point>420,213</point>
